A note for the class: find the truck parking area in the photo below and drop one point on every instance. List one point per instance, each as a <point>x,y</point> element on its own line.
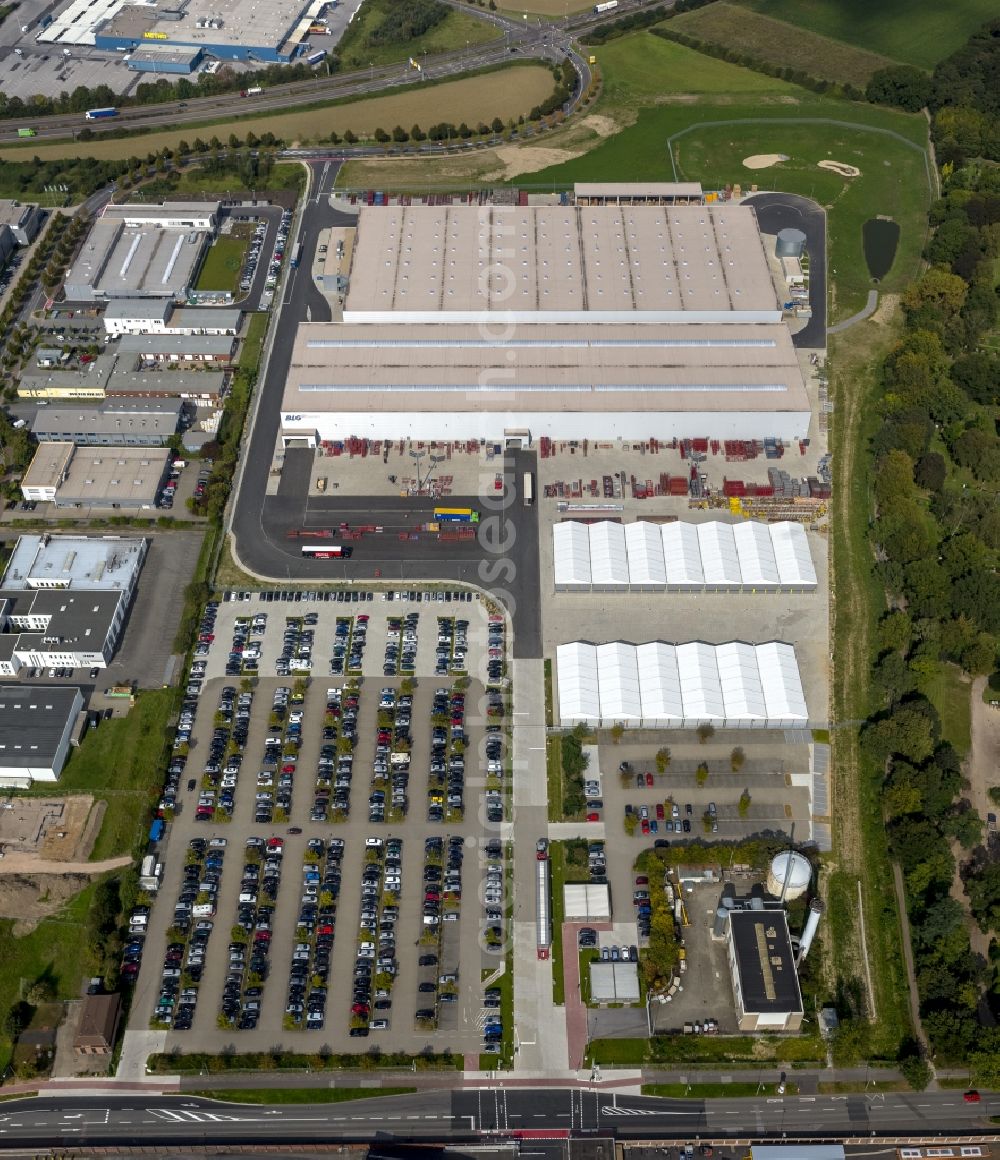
<point>333,860</point>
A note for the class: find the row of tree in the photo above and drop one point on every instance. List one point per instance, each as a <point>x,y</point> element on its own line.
<point>935,529</point>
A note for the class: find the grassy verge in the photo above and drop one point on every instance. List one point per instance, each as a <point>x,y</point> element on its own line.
<point>359,47</point>
<point>285,175</point>
<point>879,1085</point>
<point>553,776</point>
<point>548,691</point>
<point>253,343</point>
<point>221,268</point>
<point>695,1091</point>
<point>588,956</point>
<point>557,864</point>
<point>738,1051</point>
<point>277,1095</point>
<point>121,763</point>
<point>860,839</point>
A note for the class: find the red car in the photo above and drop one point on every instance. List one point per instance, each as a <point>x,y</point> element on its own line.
<point>971,1097</point>
<point>659,812</point>
<point>288,768</point>
<point>649,779</point>
<point>593,817</point>
<point>645,826</point>
<point>641,880</point>
<point>275,844</point>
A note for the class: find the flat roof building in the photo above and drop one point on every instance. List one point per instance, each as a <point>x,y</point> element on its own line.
<point>108,477</point>
<point>159,316</point>
<point>639,320</point>
<point>151,259</point>
<point>88,563</point>
<point>651,264</point>
<point>176,59</point>
<point>133,422</point>
<point>136,316</point>
<point>612,982</point>
<point>86,382</point>
<point>762,966</point>
<point>638,193</point>
<point>166,215</point>
<point>36,722</point>
<point>64,600</point>
<point>196,385</point>
<point>200,348</point>
<point>454,381</point>
<point>23,219</point>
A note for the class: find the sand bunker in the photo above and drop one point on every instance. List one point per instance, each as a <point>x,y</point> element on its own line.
<point>841,168</point>
<point>763,160</point>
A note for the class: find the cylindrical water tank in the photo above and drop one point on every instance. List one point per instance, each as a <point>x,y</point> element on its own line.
<point>788,876</point>
<point>790,244</point>
<point>719,926</point>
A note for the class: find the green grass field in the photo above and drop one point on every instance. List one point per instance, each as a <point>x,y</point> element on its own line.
<point>919,32</point>
<point>759,36</point>
<point>121,762</point>
<point>194,180</point>
<point>948,691</point>
<point>57,948</point>
<point>453,33</point>
<point>223,262</point>
<point>640,69</point>
<point>893,177</point>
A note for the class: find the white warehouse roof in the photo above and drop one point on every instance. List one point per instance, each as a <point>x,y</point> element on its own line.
<point>660,685</point>
<point>713,556</point>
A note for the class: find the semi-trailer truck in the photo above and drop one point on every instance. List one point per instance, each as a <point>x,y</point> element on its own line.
<point>100,114</point>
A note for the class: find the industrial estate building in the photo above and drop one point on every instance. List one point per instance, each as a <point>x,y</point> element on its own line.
<point>36,723</point>
<point>157,316</point>
<point>173,38</point>
<point>142,251</point>
<point>211,349</point>
<point>682,557</point>
<point>762,967</point>
<point>109,477</point>
<point>492,322</point>
<point>19,226</point>
<point>64,600</point>
<point>680,686</point>
<point>114,423</point>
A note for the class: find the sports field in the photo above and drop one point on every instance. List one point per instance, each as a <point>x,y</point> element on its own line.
<point>506,93</point>
<point>773,42</point>
<point>919,32</point>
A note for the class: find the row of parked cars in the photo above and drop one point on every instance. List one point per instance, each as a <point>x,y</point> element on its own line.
<point>442,884</point>
<point>335,770</point>
<point>225,755</point>
<point>375,958</point>
<point>310,967</point>
<point>401,645</point>
<point>391,765</point>
<point>349,639</point>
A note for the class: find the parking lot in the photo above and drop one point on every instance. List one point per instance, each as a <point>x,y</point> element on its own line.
<point>333,825</point>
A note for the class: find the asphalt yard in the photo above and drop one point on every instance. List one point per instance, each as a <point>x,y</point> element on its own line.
<point>287,908</point>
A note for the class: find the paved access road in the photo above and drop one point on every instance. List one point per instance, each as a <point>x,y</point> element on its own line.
<point>778,211</point>
<point>503,559</point>
<point>142,1120</point>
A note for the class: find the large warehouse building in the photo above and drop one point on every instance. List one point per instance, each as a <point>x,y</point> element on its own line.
<point>680,686</point>
<point>682,557</point>
<point>492,322</point>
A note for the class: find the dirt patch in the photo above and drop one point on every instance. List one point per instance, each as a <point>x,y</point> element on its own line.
<point>56,829</point>
<point>602,126</point>
<point>28,900</point>
<point>763,160</point>
<point>839,167</point>
<point>517,160</point>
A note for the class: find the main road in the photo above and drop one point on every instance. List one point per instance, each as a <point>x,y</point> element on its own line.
<point>110,1121</point>
<point>527,38</point>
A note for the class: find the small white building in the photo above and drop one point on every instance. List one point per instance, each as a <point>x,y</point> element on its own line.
<point>586,902</point>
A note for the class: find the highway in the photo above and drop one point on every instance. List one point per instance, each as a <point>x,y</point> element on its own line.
<point>524,39</point>
<point>474,1113</point>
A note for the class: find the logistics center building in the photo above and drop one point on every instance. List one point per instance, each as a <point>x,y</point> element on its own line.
<point>491,322</point>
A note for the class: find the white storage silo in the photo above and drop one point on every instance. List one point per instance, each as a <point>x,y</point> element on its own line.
<point>788,875</point>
